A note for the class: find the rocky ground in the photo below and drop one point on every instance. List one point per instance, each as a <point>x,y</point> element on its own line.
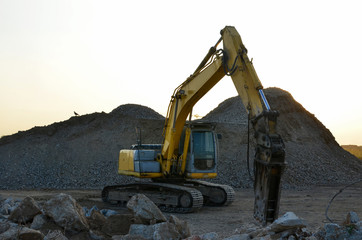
<point>82,215</point>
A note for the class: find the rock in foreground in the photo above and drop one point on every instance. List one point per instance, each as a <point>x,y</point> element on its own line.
<point>62,218</point>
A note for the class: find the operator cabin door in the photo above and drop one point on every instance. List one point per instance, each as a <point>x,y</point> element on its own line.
<point>203,151</point>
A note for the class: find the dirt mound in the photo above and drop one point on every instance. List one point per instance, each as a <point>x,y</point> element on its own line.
<point>229,111</point>
<point>82,152</point>
<point>136,111</point>
<point>312,154</point>
<point>93,120</point>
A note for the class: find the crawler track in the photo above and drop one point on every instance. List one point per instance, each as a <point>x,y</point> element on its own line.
<point>214,194</point>
<point>179,197</point>
<point>168,197</point>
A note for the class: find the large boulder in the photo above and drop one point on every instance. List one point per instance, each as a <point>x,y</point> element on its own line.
<point>20,232</point>
<point>44,224</point>
<point>144,210</point>
<point>141,230</point>
<point>166,230</point>
<point>30,234</point>
<point>288,221</point>
<point>39,221</point>
<point>159,231</point>
<point>181,226</point>
<point>174,228</point>
<point>210,236</point>
<point>67,213</point>
<point>96,219</point>
<point>117,224</point>
<point>25,211</point>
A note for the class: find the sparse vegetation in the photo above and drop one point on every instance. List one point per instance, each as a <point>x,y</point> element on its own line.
<point>353,149</point>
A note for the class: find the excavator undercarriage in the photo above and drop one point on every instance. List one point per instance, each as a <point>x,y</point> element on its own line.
<point>173,196</point>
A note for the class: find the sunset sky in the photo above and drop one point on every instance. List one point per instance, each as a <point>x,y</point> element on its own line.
<point>57,57</point>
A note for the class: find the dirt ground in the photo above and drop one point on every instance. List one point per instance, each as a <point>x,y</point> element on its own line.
<point>308,204</point>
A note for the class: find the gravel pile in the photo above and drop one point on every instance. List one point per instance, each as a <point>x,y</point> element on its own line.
<point>82,152</point>
<point>136,111</point>
<point>312,154</point>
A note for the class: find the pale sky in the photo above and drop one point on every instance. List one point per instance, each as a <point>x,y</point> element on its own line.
<point>57,57</point>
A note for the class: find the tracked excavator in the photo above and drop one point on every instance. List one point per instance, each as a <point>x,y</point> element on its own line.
<point>189,150</point>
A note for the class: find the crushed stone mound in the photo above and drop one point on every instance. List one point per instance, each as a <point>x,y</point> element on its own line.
<point>312,154</point>
<point>82,152</point>
<point>229,111</point>
<point>136,111</point>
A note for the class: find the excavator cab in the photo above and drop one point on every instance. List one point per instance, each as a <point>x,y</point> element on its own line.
<point>202,153</point>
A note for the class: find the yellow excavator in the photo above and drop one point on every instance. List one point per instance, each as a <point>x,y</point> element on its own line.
<point>189,150</point>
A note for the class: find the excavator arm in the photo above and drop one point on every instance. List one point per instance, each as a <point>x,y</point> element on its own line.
<point>181,104</point>
<point>269,162</point>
